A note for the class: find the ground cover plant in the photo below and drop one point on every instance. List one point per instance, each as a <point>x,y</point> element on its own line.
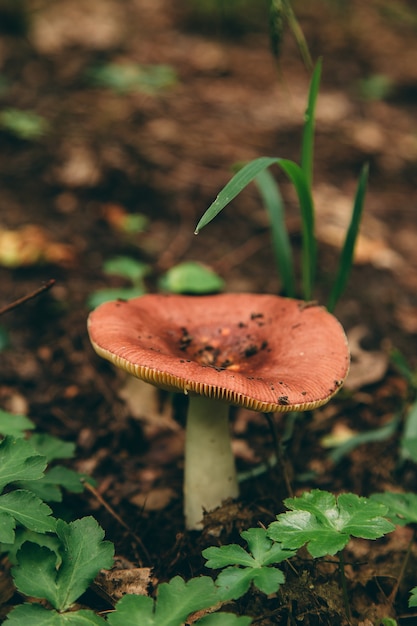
<point>95,173</point>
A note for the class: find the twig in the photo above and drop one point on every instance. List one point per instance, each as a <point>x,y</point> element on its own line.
<point>29,296</point>
<point>117,517</point>
<point>392,595</point>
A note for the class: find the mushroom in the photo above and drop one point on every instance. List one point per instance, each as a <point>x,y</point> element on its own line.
<point>261,352</point>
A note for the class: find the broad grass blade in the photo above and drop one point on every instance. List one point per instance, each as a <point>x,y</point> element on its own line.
<point>296,175</point>
<point>239,181</point>
<point>346,256</point>
<point>272,199</point>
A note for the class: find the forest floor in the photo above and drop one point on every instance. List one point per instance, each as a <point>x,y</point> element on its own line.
<point>164,154</point>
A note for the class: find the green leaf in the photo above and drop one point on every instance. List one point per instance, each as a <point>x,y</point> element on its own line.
<point>19,461</point>
<point>175,602</point>
<point>191,277</point>
<point>52,447</point>
<point>125,78</point>
<point>24,124</point>
<point>248,568</point>
<point>37,615</point>
<point>326,523</point>
<point>23,535</point>
<point>27,510</point>
<point>133,610</point>
<point>239,181</point>
<point>224,619</point>
<point>402,507</point>
<point>113,293</point>
<point>49,487</point>
<point>84,553</point>
<point>294,172</point>
<point>272,200</point>
<point>14,425</point>
<point>412,602</point>
<point>126,267</point>
<point>348,250</point>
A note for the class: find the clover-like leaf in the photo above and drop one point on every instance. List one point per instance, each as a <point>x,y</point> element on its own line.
<point>326,523</point>
<point>19,461</point>
<point>175,602</point>
<point>402,507</point>
<point>83,553</point>
<point>247,567</point>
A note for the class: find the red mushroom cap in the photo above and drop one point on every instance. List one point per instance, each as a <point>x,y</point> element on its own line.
<point>262,352</point>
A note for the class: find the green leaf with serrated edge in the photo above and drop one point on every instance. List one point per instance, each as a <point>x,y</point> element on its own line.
<point>326,524</point>
<point>49,487</point>
<point>402,507</point>
<point>224,619</point>
<point>133,610</point>
<point>175,602</point>
<point>83,552</point>
<point>14,425</point>
<point>268,579</point>
<point>264,552</point>
<point>37,615</point>
<point>27,510</point>
<point>23,535</point>
<point>35,574</point>
<point>186,597</point>
<point>227,555</point>
<point>84,555</point>
<point>412,602</point>
<point>52,447</point>
<point>19,461</point>
<point>234,582</point>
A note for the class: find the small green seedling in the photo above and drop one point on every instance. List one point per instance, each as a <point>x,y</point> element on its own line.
<point>24,124</point>
<point>61,578</point>
<point>191,277</point>
<point>251,566</point>
<point>124,78</point>
<point>301,176</point>
<point>128,269</point>
<point>176,601</point>
<point>325,523</point>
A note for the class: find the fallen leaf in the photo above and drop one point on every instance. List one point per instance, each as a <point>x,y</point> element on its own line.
<point>367,367</point>
<point>32,245</point>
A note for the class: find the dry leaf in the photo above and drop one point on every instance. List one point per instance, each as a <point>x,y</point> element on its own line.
<point>367,367</point>
<point>30,245</point>
<point>117,582</point>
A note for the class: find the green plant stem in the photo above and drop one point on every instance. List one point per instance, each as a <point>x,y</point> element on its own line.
<point>344,587</point>
<point>210,472</point>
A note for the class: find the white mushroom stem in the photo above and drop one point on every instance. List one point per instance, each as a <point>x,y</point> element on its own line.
<point>210,472</point>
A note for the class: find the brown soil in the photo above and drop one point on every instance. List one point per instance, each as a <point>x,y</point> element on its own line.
<point>166,155</point>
